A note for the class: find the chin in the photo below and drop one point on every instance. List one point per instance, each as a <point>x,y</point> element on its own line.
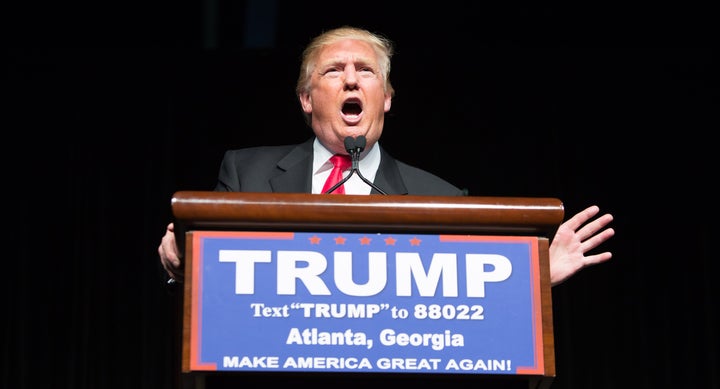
<point>352,131</point>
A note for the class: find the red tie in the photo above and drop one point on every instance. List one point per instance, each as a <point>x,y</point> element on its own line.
<point>340,164</point>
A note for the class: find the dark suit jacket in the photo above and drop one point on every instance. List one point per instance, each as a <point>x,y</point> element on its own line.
<point>288,169</point>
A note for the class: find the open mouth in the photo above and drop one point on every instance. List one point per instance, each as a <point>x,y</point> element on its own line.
<point>352,108</point>
<point>352,111</point>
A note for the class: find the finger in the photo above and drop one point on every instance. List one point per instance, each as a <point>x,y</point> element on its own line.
<point>171,258</point>
<point>170,267</point>
<point>582,217</point>
<point>597,240</point>
<point>593,227</point>
<point>597,258</point>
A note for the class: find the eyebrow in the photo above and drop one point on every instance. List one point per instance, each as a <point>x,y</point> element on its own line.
<point>344,60</point>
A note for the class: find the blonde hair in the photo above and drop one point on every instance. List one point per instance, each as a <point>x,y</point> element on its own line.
<point>383,49</point>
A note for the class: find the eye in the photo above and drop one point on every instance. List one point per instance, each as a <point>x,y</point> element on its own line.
<point>332,71</point>
<point>367,72</point>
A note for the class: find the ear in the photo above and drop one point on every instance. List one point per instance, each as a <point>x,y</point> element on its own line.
<point>305,102</point>
<point>388,102</point>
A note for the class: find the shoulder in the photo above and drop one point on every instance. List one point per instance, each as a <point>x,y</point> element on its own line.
<point>263,155</point>
<point>422,182</point>
<point>284,168</point>
<point>408,179</point>
<point>253,153</point>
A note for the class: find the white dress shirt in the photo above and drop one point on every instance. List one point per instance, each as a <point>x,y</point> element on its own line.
<point>369,163</point>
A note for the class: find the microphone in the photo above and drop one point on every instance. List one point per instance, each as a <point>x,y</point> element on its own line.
<point>354,147</point>
<point>349,145</point>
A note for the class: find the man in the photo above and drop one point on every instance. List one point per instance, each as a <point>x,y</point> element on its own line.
<point>344,90</point>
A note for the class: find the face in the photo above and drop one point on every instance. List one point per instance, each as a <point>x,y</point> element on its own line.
<point>347,96</point>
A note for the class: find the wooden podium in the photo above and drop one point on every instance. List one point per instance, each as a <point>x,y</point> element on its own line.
<point>267,212</point>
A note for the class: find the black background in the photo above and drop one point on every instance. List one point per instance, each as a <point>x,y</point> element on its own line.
<point>112,107</point>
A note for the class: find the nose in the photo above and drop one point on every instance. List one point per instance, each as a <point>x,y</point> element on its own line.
<point>351,78</point>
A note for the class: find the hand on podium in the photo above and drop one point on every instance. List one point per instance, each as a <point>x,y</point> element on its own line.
<point>170,257</point>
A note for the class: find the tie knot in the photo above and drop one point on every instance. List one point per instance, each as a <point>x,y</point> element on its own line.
<point>340,164</point>
<point>340,161</point>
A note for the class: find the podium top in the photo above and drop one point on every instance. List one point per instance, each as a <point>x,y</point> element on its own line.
<point>302,211</point>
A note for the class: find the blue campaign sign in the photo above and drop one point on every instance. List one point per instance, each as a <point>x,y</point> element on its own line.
<point>376,303</point>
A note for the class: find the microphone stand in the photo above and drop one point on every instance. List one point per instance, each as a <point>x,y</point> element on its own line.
<point>354,147</point>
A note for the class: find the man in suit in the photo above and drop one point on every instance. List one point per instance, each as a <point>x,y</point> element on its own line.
<point>344,90</point>
<point>287,169</point>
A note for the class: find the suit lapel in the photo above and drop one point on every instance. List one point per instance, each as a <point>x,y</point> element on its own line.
<point>388,176</point>
<point>296,170</point>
